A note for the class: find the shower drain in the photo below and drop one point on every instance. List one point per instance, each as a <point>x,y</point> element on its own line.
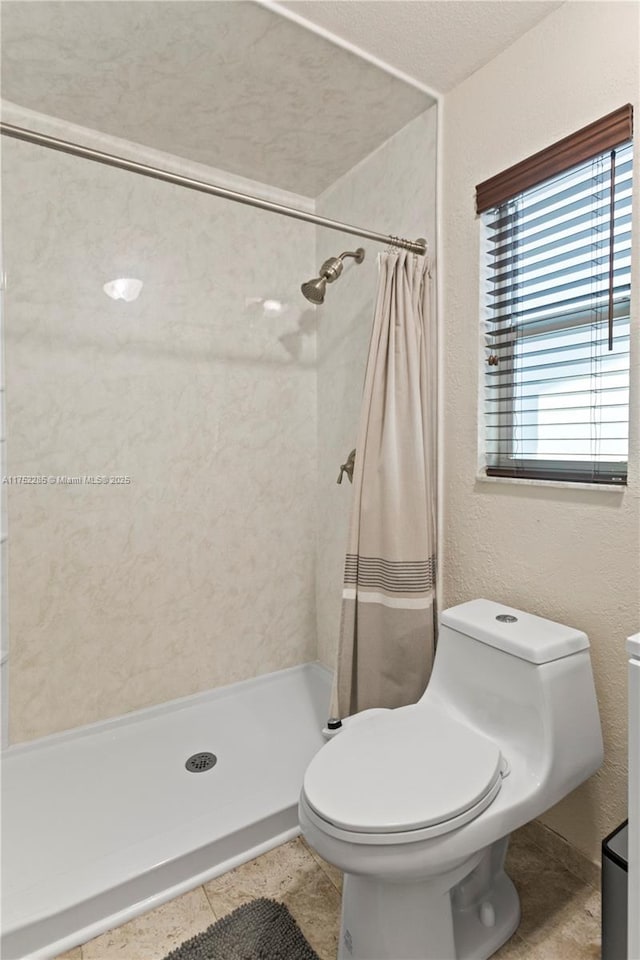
<point>200,762</point>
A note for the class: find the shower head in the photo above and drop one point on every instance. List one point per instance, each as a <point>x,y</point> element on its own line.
<point>314,290</point>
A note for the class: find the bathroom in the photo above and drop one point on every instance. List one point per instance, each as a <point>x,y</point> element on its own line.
<point>157,336</point>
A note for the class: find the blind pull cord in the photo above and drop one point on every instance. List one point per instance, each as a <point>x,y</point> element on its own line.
<point>612,213</point>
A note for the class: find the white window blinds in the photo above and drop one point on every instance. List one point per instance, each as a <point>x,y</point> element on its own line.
<point>557,273</point>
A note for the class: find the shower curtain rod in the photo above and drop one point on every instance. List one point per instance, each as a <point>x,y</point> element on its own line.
<point>64,146</point>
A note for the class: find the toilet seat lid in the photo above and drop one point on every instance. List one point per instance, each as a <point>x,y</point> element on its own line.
<point>402,770</point>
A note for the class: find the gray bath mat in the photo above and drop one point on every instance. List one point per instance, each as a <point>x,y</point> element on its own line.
<point>260,930</point>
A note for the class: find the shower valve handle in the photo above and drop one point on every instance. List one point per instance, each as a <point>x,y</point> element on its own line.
<point>347,467</point>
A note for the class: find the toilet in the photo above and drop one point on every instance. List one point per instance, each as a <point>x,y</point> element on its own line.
<point>416,804</point>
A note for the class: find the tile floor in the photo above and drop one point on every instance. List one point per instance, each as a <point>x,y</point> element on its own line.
<point>560,909</point>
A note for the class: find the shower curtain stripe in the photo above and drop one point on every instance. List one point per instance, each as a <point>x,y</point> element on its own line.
<point>406,603</point>
<point>390,575</point>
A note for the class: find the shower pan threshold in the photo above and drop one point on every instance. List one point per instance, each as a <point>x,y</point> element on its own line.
<point>104,822</point>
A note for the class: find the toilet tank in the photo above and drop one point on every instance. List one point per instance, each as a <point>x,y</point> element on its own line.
<point>526,683</point>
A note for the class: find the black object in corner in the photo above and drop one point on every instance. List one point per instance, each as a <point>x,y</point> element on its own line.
<point>615,869</point>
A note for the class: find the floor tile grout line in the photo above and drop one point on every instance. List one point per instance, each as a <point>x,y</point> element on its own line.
<point>330,879</point>
<point>211,907</point>
<point>553,845</point>
<point>523,940</point>
<point>578,876</point>
<point>321,863</point>
<point>574,873</point>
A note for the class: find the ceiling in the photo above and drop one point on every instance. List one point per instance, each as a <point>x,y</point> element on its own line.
<point>436,42</point>
<point>230,83</point>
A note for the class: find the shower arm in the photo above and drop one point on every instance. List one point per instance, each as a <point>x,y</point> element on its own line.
<point>332,268</point>
<point>358,255</point>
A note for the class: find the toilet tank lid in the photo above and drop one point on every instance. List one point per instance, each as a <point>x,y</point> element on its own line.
<point>528,637</point>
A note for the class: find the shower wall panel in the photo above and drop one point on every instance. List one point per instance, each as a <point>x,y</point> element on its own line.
<point>394,191</point>
<point>195,566</point>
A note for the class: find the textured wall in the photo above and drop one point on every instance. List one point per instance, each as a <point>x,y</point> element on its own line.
<point>4,622</point>
<point>571,555</point>
<point>392,191</point>
<point>200,571</point>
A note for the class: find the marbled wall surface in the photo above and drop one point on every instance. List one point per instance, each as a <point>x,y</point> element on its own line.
<point>230,84</point>
<point>200,570</point>
<point>392,191</point>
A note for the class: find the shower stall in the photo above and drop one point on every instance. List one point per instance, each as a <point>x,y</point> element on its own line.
<point>176,414</point>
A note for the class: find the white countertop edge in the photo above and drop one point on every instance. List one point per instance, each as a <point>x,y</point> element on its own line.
<point>633,645</point>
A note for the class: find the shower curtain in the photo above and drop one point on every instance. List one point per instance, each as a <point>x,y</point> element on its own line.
<point>387,629</point>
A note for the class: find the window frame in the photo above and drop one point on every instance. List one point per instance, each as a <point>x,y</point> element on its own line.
<point>587,144</point>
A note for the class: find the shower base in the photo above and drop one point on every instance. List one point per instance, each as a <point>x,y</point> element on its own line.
<point>104,822</point>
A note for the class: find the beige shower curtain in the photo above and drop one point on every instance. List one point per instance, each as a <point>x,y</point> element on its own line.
<point>387,627</point>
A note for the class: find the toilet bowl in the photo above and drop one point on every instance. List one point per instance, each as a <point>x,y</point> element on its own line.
<point>416,804</point>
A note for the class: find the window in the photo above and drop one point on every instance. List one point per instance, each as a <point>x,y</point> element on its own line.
<point>557,278</point>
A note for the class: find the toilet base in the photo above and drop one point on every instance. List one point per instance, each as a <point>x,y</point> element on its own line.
<point>430,920</point>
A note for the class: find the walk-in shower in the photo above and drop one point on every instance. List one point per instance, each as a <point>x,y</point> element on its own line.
<point>314,290</point>
<point>178,616</point>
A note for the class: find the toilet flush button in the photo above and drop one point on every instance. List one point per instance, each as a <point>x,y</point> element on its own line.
<point>487,914</point>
